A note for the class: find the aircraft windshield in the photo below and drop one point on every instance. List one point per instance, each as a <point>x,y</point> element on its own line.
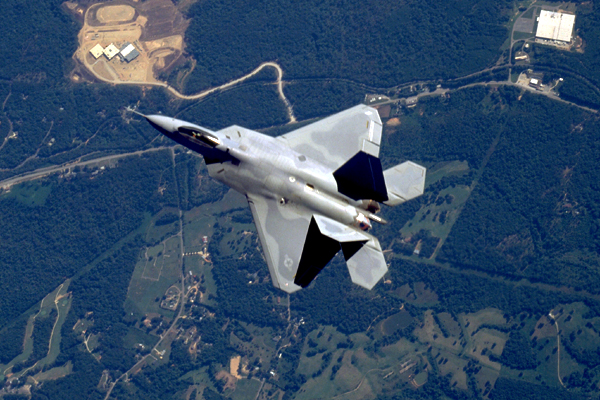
<point>205,138</point>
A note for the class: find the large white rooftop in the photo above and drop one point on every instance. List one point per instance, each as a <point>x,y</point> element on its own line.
<point>555,26</point>
<point>128,49</point>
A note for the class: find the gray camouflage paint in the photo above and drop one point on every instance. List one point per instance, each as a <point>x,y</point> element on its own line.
<point>288,180</point>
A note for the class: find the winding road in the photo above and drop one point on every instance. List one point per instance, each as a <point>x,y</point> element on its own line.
<point>551,315</point>
<point>207,92</point>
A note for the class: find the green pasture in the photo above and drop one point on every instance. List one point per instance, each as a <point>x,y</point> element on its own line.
<point>30,193</point>
<point>245,389</point>
<point>143,291</point>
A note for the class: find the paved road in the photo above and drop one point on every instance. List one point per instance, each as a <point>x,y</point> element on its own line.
<point>207,92</point>
<point>42,172</point>
<point>441,91</point>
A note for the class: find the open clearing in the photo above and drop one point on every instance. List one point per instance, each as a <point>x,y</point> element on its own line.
<point>111,14</point>
<point>246,389</point>
<point>54,373</point>
<point>155,28</point>
<point>145,289</point>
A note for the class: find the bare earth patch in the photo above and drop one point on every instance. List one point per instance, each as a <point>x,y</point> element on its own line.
<point>234,365</point>
<point>230,379</point>
<point>110,14</point>
<point>393,122</point>
<point>155,28</point>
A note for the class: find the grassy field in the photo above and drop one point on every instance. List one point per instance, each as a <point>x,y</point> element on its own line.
<point>484,342</point>
<point>245,389</point>
<point>54,373</point>
<point>453,365</point>
<point>440,170</point>
<point>136,336</point>
<point>429,217</point>
<point>394,322</point>
<point>491,316</point>
<point>418,294</point>
<point>158,233</point>
<point>197,224</point>
<point>58,300</point>
<point>154,260</point>
<point>62,302</point>
<point>522,35</point>
<point>514,77</point>
<point>31,193</point>
<point>450,324</point>
<point>430,333</point>
<point>143,291</point>
<point>363,372</point>
<point>27,348</point>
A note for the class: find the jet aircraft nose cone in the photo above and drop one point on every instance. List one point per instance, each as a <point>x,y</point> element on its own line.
<point>163,123</point>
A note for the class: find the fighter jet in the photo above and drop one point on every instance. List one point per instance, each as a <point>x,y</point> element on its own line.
<point>312,192</point>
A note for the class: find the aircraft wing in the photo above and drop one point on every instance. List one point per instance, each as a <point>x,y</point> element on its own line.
<point>298,244</point>
<point>334,140</point>
<point>282,231</point>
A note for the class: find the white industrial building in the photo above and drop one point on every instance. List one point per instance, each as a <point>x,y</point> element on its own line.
<point>110,51</point>
<point>128,52</point>
<point>97,50</point>
<point>555,26</point>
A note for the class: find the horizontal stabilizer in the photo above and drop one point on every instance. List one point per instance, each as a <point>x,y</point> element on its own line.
<point>404,182</point>
<point>367,265</point>
<point>361,250</point>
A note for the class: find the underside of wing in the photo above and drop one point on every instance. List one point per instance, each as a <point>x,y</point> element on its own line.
<point>298,245</point>
<point>282,230</point>
<point>335,139</point>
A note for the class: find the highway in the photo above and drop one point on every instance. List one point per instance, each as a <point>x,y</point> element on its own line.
<point>42,172</point>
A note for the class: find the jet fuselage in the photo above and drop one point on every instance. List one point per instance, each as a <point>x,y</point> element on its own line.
<point>254,163</point>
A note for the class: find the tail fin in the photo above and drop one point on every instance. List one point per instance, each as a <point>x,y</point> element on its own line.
<point>404,182</point>
<point>361,177</point>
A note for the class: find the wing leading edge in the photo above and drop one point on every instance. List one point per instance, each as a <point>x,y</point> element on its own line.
<point>336,139</point>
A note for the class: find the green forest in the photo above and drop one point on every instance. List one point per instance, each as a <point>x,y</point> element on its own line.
<point>506,282</point>
<point>382,45</point>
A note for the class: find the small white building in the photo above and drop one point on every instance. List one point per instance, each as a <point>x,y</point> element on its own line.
<point>97,50</point>
<point>110,51</point>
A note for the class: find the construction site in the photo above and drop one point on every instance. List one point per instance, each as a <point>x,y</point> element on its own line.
<point>130,42</point>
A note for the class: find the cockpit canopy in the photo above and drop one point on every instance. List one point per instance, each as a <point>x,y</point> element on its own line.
<point>203,137</point>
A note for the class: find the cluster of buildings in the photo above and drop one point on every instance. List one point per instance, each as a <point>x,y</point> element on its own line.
<point>127,52</point>
<point>555,26</point>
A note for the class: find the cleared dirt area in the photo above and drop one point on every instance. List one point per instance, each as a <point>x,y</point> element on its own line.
<point>234,365</point>
<point>228,378</point>
<point>101,69</point>
<point>111,14</point>
<point>155,28</point>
